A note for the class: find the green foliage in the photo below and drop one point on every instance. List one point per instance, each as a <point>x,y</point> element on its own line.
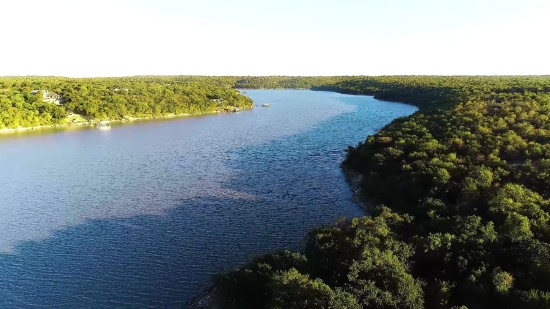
<point>535,299</point>
<point>249,287</point>
<point>467,179</point>
<point>360,263</point>
<point>291,289</point>
<point>502,281</point>
<point>471,168</point>
<point>113,98</point>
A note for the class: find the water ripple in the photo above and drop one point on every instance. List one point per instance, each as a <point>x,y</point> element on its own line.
<point>140,216</point>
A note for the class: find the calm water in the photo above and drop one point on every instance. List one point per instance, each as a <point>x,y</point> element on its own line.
<point>140,216</point>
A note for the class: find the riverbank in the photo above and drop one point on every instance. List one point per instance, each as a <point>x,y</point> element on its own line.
<point>206,300</point>
<point>93,122</point>
<point>354,180</point>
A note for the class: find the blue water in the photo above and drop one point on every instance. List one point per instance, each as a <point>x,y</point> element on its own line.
<point>141,215</point>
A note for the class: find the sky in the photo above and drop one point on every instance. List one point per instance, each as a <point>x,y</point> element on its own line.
<point>89,38</point>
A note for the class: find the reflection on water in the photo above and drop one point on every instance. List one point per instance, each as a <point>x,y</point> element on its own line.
<point>142,214</point>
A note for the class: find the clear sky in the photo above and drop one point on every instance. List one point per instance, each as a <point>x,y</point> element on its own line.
<point>274,37</point>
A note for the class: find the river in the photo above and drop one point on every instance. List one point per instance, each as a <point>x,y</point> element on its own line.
<point>141,215</point>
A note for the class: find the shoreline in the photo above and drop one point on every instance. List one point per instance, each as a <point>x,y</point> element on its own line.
<point>354,180</point>
<point>206,299</point>
<point>91,123</point>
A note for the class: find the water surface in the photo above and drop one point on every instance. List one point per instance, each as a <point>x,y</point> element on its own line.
<point>141,215</point>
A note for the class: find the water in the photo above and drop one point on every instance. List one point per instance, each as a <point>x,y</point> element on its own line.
<point>141,215</point>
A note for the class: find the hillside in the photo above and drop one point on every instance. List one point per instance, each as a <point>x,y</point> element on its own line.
<point>23,105</point>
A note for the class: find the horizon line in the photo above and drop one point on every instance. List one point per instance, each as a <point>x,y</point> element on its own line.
<point>199,75</point>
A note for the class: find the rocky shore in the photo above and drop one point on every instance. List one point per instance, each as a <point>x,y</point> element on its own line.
<point>206,300</point>
<point>354,180</point>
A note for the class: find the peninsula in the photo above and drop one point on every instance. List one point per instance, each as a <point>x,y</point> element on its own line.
<point>35,102</point>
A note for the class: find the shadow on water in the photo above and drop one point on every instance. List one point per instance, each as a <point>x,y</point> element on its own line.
<point>137,262</point>
<point>278,191</point>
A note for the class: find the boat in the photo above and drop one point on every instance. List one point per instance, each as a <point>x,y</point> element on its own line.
<point>265,105</point>
<point>103,125</point>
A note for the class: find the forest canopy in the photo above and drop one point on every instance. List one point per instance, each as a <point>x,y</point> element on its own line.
<point>40,101</point>
<point>460,205</point>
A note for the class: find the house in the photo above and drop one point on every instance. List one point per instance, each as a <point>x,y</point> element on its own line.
<point>49,96</point>
<point>52,97</point>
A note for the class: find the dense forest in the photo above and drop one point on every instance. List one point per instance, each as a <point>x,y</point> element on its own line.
<point>459,198</point>
<point>41,101</point>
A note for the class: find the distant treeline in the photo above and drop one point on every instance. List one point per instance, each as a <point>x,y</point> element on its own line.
<point>112,98</point>
<point>461,205</point>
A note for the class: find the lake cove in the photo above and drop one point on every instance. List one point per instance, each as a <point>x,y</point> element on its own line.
<point>141,215</point>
